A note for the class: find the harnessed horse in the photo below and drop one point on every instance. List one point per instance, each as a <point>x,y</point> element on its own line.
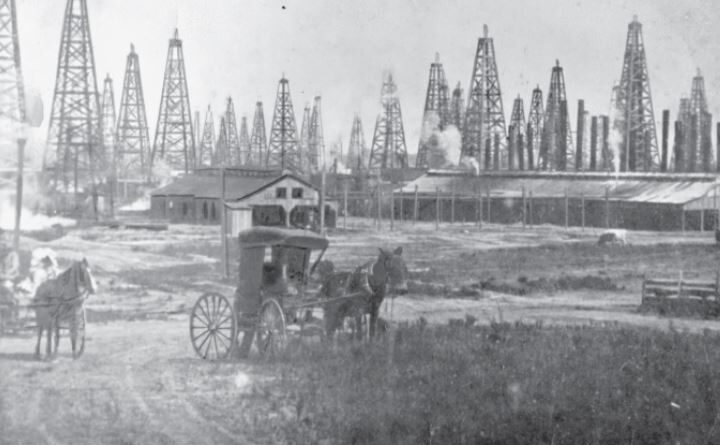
<point>61,300</point>
<point>385,276</point>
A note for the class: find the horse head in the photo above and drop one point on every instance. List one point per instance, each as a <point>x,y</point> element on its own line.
<point>84,277</point>
<point>391,267</point>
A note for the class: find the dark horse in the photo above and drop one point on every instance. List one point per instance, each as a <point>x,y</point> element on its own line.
<point>372,282</point>
<point>61,299</point>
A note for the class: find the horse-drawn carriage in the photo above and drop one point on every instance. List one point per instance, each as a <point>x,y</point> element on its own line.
<point>48,302</point>
<point>277,295</point>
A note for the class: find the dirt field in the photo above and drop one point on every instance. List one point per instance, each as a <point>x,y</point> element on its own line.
<point>139,381</point>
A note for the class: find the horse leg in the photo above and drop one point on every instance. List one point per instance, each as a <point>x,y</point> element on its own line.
<point>57,337</point>
<point>48,346</point>
<point>73,338</point>
<point>374,310</point>
<point>39,339</point>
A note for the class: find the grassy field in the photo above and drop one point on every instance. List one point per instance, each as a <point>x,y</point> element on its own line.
<point>578,363</point>
<point>509,384</point>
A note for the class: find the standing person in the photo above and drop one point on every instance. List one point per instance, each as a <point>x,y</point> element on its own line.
<point>9,268</point>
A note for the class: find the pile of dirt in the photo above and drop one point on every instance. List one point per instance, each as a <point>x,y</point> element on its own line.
<point>526,286</point>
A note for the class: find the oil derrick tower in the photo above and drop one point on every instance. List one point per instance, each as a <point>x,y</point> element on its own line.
<point>108,120</point>
<point>222,157</point>
<point>133,138</point>
<point>457,108</point>
<point>232,141</point>
<point>357,150</point>
<point>536,121</point>
<point>316,147</point>
<point>206,150</point>
<point>556,146</point>
<point>74,144</point>
<point>174,136</point>
<point>388,146</point>
<point>258,138</point>
<point>517,128</point>
<point>304,142</point>
<point>244,141</point>
<point>634,115</point>
<point>12,88</point>
<point>436,115</point>
<point>484,118</point>
<point>283,147</point>
<point>697,125</point>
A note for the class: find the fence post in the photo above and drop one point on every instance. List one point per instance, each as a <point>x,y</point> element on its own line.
<point>523,207</point>
<point>531,208</point>
<point>682,220</point>
<point>345,205</point>
<point>392,208</point>
<point>437,208</point>
<point>415,207</point>
<point>582,209</point>
<point>379,208</point>
<point>489,214</point>
<point>452,205</point>
<point>607,207</point>
<point>567,209</point>
<point>479,212</point>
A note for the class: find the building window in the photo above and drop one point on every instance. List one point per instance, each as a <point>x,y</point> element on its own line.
<point>205,210</point>
<point>213,212</point>
<point>297,193</point>
<point>184,209</point>
<point>281,193</point>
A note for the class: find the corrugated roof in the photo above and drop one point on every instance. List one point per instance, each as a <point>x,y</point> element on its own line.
<point>650,190</point>
<point>210,186</point>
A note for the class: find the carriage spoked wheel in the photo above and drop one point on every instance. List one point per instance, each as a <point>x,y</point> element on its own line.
<point>271,334</point>
<point>213,327</point>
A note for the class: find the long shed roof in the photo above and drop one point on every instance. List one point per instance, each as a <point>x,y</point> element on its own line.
<point>676,191</point>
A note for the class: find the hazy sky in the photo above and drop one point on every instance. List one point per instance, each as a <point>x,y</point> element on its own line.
<point>339,49</point>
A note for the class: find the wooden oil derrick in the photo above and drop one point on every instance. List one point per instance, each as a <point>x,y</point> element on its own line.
<point>457,108</point>
<point>556,144</point>
<point>133,137</point>
<point>74,144</point>
<point>316,146</point>
<point>206,150</point>
<point>174,137</point>
<point>108,120</point>
<point>244,142</point>
<point>12,87</point>
<point>437,115</point>
<point>697,125</point>
<point>304,141</point>
<point>634,116</point>
<point>222,157</point>
<point>283,147</point>
<point>232,141</point>
<point>517,127</point>
<point>357,149</point>
<point>536,121</point>
<point>258,138</point>
<point>388,148</point>
<point>484,117</point>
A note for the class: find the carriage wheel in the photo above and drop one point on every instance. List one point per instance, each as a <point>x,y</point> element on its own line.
<point>271,334</point>
<point>213,327</point>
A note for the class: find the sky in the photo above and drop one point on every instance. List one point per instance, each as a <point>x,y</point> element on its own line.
<point>339,49</point>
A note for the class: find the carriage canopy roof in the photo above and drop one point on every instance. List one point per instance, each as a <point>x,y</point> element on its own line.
<point>275,236</point>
